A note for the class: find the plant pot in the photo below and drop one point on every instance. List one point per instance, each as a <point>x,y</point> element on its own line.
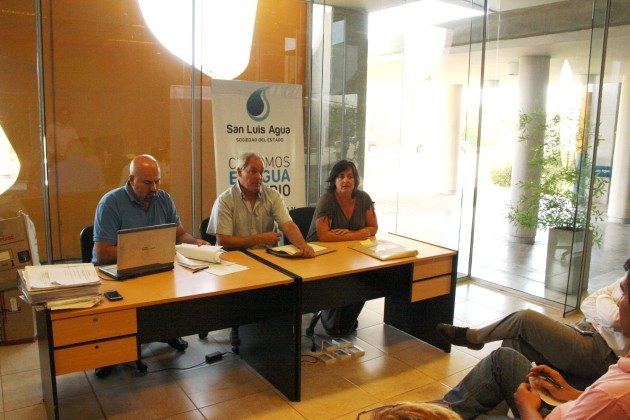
<point>566,248</point>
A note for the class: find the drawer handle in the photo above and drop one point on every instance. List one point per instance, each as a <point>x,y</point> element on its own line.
<point>95,319</point>
<point>96,347</point>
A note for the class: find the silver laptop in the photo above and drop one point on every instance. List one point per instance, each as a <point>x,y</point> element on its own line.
<point>143,251</point>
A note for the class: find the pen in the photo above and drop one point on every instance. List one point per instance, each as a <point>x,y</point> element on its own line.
<point>548,378</point>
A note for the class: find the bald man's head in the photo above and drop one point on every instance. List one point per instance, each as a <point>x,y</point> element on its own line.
<point>144,178</point>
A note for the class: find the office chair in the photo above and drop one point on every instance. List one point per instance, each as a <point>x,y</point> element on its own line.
<point>203,226</point>
<point>86,238</point>
<point>87,243</point>
<point>303,216</point>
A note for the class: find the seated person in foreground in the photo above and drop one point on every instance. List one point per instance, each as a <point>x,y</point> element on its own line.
<point>507,375</point>
<point>248,215</point>
<point>586,354</point>
<point>343,213</point>
<point>139,203</point>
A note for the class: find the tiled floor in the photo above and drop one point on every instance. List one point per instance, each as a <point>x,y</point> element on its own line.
<point>395,367</point>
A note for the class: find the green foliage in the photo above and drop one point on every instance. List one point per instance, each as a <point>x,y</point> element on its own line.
<point>501,176</point>
<point>558,198</point>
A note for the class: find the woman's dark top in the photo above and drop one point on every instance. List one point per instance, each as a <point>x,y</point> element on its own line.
<point>329,207</point>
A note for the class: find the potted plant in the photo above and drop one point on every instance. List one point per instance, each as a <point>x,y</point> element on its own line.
<point>557,202</point>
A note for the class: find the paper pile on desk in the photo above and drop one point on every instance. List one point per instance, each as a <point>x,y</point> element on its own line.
<point>209,253</point>
<point>59,284</point>
<point>197,257</point>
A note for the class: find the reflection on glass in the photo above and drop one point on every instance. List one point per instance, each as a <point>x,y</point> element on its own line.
<point>9,163</point>
<point>222,32</point>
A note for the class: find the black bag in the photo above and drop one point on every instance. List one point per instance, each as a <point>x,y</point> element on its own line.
<point>339,322</point>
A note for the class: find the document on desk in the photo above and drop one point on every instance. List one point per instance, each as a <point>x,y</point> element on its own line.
<point>209,253</point>
<point>291,251</point>
<point>384,250</point>
<point>61,275</point>
<point>224,268</point>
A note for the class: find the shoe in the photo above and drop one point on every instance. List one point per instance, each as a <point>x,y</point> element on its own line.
<point>103,372</point>
<point>456,336</point>
<point>178,343</point>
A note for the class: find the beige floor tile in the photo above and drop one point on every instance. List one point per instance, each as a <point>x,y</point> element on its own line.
<point>476,314</point>
<point>383,377</point>
<point>469,290</point>
<point>147,400</point>
<point>32,412</point>
<point>369,318</point>
<point>188,415</point>
<point>80,407</point>
<point>453,380</point>
<point>21,389</point>
<point>328,396</point>
<point>376,305</point>
<point>262,405</point>
<point>429,392</point>
<point>503,302</point>
<point>385,338</point>
<point>19,358</point>
<point>195,353</point>
<point>122,374</point>
<point>220,382</point>
<point>73,384</point>
<point>435,363</point>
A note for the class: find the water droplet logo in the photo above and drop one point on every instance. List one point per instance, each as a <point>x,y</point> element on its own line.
<point>257,105</point>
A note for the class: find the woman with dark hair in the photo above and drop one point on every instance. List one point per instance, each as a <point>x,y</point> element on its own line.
<point>343,213</point>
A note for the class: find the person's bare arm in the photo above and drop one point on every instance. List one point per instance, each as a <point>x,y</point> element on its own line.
<point>106,253</point>
<point>292,232</point>
<point>325,234</point>
<point>184,237</point>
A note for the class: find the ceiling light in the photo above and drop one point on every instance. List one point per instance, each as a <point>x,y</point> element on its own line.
<point>220,31</point>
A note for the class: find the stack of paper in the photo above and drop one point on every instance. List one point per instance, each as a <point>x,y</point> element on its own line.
<point>197,257</point>
<point>58,284</point>
<point>384,250</point>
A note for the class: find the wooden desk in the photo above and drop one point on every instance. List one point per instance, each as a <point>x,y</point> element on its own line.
<point>177,303</point>
<point>419,291</point>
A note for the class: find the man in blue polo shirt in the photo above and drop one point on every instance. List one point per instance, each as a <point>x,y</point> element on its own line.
<point>138,203</point>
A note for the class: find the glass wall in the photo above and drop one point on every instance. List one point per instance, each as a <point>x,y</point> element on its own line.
<point>456,94</point>
<point>428,97</point>
<point>115,86</point>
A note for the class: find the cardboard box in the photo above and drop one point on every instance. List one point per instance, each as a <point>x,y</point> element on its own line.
<point>18,248</point>
<point>18,319</point>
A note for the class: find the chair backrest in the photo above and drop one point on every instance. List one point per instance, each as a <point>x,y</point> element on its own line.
<point>302,216</point>
<point>203,226</point>
<point>87,243</point>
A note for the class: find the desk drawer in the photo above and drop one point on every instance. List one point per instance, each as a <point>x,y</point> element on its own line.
<point>427,289</point>
<point>97,354</point>
<point>432,268</point>
<point>94,327</point>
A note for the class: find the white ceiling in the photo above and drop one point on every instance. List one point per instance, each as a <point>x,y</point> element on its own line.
<point>571,46</point>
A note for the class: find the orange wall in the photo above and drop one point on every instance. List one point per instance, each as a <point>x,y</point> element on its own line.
<point>104,65</point>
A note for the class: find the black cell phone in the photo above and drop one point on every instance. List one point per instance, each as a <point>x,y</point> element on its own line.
<point>112,295</point>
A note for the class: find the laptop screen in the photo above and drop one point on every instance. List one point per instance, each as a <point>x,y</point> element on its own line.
<point>146,247</point>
